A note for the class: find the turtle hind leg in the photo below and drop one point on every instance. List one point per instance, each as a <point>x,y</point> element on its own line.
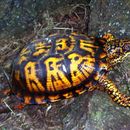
<point>114,92</point>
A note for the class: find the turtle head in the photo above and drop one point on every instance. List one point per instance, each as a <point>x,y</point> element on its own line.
<point>117,50</point>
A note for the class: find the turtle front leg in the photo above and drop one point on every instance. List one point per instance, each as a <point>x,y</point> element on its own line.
<point>114,92</point>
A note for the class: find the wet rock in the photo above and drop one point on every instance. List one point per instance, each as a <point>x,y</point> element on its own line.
<point>90,111</point>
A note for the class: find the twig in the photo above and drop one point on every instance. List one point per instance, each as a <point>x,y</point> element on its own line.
<point>8,107</point>
<point>60,28</point>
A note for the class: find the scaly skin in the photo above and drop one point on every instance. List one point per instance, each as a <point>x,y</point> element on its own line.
<point>115,56</point>
<point>114,92</point>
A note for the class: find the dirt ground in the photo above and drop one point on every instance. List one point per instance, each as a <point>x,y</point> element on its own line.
<point>91,111</point>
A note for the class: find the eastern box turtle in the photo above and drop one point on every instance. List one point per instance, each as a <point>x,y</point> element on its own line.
<point>62,66</point>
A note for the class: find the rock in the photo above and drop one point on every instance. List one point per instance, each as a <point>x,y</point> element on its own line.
<point>90,111</point>
<point>113,17</point>
<point>110,16</point>
<point>19,17</point>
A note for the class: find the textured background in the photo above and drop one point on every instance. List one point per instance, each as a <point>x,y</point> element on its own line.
<point>21,21</point>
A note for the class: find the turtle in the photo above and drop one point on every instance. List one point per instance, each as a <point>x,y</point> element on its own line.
<point>62,66</point>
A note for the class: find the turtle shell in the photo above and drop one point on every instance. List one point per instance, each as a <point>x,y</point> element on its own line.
<point>58,67</point>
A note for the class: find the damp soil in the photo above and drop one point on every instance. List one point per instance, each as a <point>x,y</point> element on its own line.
<point>24,21</point>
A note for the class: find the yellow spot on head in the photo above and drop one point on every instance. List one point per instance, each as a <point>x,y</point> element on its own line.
<point>108,37</point>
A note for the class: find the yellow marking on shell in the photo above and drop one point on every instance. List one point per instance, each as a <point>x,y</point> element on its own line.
<point>39,99</point>
<point>27,99</point>
<point>42,45</point>
<point>103,55</point>
<point>39,52</point>
<point>76,75</point>
<point>54,98</point>
<point>59,80</point>
<point>73,42</point>
<point>72,38</point>
<point>22,59</point>
<point>80,67</point>
<point>24,51</point>
<point>88,46</point>
<point>96,76</point>
<point>61,44</point>
<point>102,66</point>
<point>88,66</point>
<point>33,83</point>
<point>68,95</point>
<point>88,43</point>
<point>39,45</point>
<point>23,56</point>
<point>40,48</point>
